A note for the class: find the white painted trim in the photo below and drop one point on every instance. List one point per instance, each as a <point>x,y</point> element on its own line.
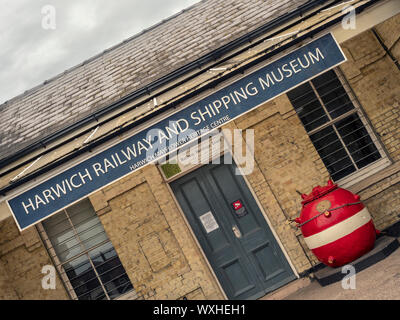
<point>339,230</point>
<point>338,5</point>
<point>364,173</point>
<point>375,166</point>
<point>366,20</point>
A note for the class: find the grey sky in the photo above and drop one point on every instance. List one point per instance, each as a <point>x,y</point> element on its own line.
<point>30,54</point>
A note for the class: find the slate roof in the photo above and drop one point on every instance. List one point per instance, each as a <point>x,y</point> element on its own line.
<point>130,65</point>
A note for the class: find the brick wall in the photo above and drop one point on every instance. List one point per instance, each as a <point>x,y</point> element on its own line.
<point>152,239</point>
<point>389,32</point>
<point>375,80</point>
<point>288,161</point>
<point>148,232</point>
<point>385,206</point>
<point>22,257</point>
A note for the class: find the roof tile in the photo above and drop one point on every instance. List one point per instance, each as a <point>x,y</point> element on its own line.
<point>103,79</point>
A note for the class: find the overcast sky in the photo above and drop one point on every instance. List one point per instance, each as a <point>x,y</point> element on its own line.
<point>30,54</point>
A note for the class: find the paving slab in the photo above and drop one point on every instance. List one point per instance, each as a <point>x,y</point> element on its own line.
<point>384,246</point>
<point>380,281</point>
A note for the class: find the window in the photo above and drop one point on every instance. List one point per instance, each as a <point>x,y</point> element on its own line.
<point>83,254</point>
<point>337,128</point>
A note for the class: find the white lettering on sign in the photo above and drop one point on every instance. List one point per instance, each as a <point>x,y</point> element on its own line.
<point>291,68</point>
<point>179,128</point>
<point>56,191</point>
<point>209,222</point>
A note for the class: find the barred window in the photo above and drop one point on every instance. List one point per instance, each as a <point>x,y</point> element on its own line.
<point>337,128</point>
<point>84,256</point>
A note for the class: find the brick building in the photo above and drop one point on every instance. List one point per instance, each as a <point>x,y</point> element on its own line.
<point>167,230</point>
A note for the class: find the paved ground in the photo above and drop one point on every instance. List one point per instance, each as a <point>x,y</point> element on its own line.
<point>380,281</point>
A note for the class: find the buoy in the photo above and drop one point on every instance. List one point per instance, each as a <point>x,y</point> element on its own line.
<point>336,225</point>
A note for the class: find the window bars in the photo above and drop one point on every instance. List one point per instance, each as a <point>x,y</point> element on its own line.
<point>84,256</point>
<point>333,120</point>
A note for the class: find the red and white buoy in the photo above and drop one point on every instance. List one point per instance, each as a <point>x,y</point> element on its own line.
<point>336,226</point>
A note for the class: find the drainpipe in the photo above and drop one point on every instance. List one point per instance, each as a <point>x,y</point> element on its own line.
<point>387,50</point>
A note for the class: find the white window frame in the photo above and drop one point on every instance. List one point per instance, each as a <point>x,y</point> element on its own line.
<point>370,169</point>
<point>59,265</point>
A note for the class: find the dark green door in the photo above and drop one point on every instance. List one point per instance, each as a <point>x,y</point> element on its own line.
<point>232,231</point>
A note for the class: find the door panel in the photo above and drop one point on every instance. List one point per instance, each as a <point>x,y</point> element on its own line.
<point>236,278</point>
<point>242,250</point>
<point>216,240</point>
<point>265,253</point>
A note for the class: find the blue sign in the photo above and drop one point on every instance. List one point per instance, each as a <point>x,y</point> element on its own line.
<point>176,130</point>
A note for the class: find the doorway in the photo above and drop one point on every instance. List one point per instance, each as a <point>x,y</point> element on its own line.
<point>232,231</point>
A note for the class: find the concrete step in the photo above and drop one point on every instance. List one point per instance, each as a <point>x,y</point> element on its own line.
<point>287,290</point>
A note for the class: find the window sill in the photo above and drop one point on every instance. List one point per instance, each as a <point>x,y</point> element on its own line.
<point>375,178</point>
<point>363,174</point>
<point>130,295</point>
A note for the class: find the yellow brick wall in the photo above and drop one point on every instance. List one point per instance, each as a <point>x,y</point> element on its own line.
<point>6,289</point>
<point>22,257</point>
<point>288,161</point>
<point>152,239</point>
<point>375,80</point>
<point>385,206</point>
<point>389,32</point>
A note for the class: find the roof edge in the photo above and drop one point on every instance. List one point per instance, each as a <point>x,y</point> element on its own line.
<point>96,143</point>
<point>211,56</point>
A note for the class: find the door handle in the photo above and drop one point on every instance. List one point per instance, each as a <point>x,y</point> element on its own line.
<point>236,232</point>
